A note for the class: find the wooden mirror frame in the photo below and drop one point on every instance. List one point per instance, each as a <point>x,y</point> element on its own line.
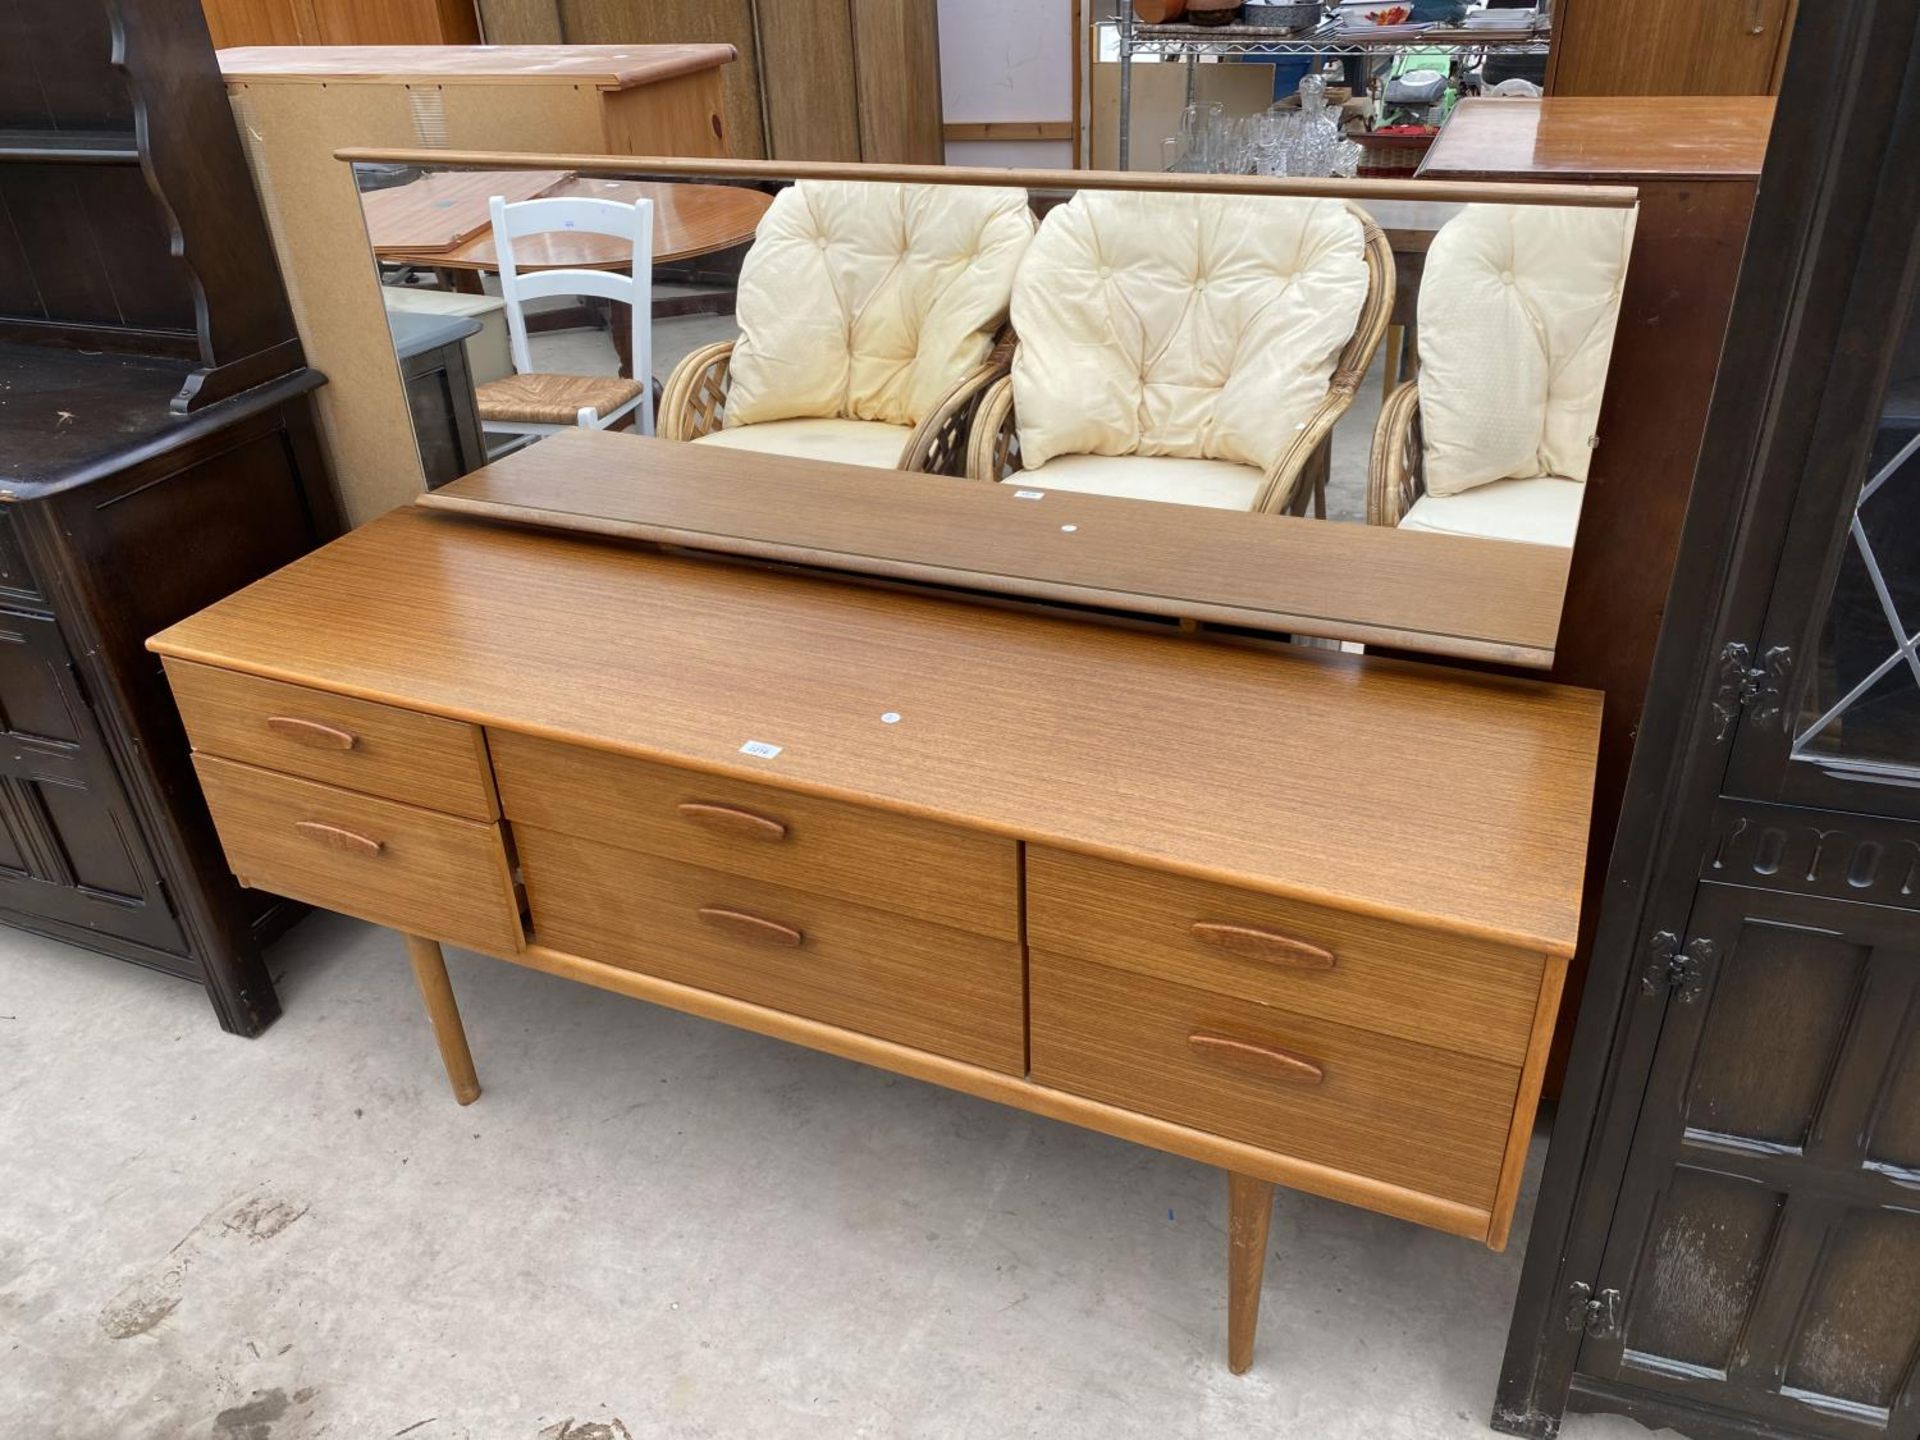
<point>1486,600</point>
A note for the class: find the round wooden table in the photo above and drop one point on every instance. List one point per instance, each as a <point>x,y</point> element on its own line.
<point>688,220</point>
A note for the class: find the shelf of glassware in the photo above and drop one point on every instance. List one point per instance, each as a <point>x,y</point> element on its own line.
<point>1326,40</point>
<point>1181,41</point>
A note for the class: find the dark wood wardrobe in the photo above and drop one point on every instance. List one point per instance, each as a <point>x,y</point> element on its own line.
<point>1727,1241</point>
<point>156,453</point>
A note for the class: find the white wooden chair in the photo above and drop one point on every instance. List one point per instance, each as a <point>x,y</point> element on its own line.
<point>530,402</point>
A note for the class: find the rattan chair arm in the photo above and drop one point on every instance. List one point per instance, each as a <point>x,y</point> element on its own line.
<point>695,399</point>
<point>938,445</point>
<point>1279,492</point>
<point>1281,488</point>
<point>1394,470</point>
<point>992,442</point>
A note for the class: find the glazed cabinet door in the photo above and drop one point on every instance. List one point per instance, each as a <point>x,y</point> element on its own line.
<point>1831,713</point>
<point>1765,1254</point>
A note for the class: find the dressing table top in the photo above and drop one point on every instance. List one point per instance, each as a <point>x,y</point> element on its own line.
<point>1429,593</point>
<point>1442,798</point>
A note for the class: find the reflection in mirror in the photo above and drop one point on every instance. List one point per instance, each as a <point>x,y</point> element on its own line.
<point>1432,366</point>
<point>1426,359</point>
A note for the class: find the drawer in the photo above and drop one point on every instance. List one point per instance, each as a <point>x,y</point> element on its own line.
<point>928,986</point>
<point>1470,996</point>
<point>376,749</point>
<point>871,857</point>
<point>1433,1121</point>
<point>415,870</point>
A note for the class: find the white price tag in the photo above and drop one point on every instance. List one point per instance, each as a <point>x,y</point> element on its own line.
<point>1029,494</point>
<point>760,748</point>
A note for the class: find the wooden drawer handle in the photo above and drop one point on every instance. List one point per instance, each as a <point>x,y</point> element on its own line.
<point>350,841</point>
<point>1262,945</point>
<point>312,732</point>
<point>751,927</point>
<point>743,824</point>
<point>1255,1059</point>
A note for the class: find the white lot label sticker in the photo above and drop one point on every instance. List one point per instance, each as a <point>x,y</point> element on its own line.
<point>1029,494</point>
<point>760,748</point>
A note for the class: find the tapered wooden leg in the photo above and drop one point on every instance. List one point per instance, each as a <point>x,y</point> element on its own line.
<point>1249,1212</point>
<point>430,969</point>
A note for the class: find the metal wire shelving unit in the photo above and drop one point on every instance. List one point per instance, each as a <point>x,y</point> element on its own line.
<point>1324,41</point>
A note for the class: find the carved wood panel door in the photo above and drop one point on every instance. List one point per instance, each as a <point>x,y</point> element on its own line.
<point>69,846</point>
<point>1765,1254</point>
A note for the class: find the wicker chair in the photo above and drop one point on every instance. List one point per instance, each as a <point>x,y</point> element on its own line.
<point>695,400</point>
<point>1485,261</point>
<point>954,328</point>
<point>1296,478</point>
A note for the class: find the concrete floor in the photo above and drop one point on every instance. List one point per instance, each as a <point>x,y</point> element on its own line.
<point>648,1226</point>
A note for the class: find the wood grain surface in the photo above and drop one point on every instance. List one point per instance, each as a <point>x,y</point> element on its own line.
<point>872,857</point>
<point>1668,47</point>
<point>436,212</point>
<point>1444,594</point>
<point>1603,137</point>
<point>1359,192</point>
<point>688,220</point>
<point>607,67</point>
<point>418,871</point>
<point>1433,797</point>
<point>395,753</point>
<point>935,988</point>
<point>1427,1119</point>
<point>1452,993</point>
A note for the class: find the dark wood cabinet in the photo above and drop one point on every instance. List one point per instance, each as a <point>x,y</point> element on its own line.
<point>1728,1235</point>
<point>440,398</point>
<point>156,453</point>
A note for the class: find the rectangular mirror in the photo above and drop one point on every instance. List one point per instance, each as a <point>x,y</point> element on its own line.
<point>1343,410</point>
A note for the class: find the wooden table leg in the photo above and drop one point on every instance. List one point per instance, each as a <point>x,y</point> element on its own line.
<point>430,969</point>
<point>1249,1213</point>
<point>620,322</point>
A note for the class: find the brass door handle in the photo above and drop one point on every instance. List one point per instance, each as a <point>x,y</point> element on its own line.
<point>1257,944</point>
<point>729,820</point>
<point>1256,1059</point>
<point>312,732</point>
<point>336,838</point>
<point>751,927</point>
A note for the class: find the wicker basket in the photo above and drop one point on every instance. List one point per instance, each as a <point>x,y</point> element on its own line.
<point>1387,155</point>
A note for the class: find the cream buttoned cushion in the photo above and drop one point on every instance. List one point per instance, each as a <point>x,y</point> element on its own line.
<point>860,305</point>
<point>1215,484</point>
<point>848,442</point>
<point>1517,310</point>
<point>1201,327</point>
<point>1541,510</point>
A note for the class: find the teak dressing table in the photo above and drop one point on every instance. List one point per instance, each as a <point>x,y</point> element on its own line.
<point>1304,916</point>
